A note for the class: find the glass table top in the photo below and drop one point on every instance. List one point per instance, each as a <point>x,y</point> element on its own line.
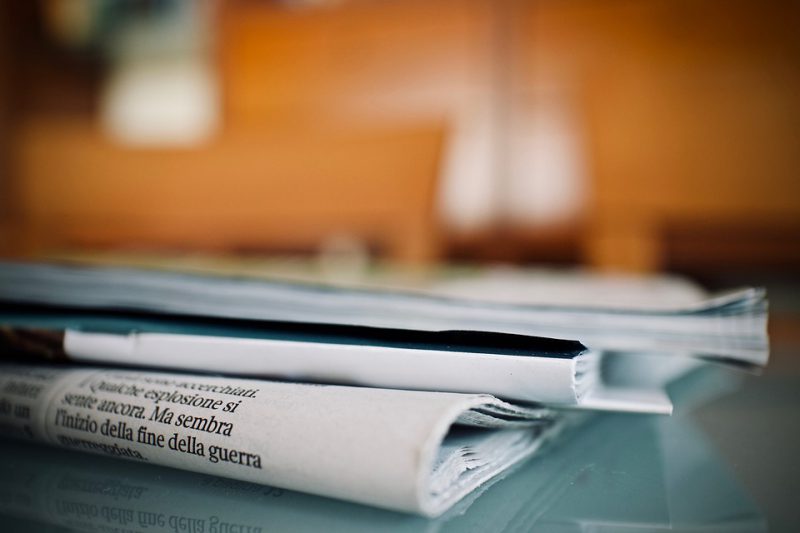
<point>725,461</point>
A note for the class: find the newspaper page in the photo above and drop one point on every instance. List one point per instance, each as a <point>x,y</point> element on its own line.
<point>410,451</point>
<point>731,326</point>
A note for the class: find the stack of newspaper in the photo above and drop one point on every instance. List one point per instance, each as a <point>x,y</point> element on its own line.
<point>403,400</point>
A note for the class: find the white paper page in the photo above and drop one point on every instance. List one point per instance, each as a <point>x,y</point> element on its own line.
<point>603,398</point>
<point>557,382</point>
<point>574,288</point>
<point>375,446</point>
<point>553,380</point>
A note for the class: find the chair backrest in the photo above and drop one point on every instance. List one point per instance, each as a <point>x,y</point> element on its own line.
<point>281,189</point>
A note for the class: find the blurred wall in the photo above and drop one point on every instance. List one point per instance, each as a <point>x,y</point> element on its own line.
<point>693,123</point>
<point>622,133</point>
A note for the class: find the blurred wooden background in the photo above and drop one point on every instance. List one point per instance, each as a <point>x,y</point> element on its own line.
<point>359,118</point>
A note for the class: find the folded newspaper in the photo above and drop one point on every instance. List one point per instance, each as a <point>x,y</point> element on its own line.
<point>729,325</point>
<point>555,372</point>
<point>306,332</point>
<point>577,486</point>
<point>419,416</point>
<point>409,451</point>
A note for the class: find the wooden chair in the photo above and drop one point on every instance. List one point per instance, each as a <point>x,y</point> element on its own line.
<point>270,189</point>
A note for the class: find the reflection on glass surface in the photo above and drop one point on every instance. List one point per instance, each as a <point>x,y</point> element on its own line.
<point>616,472</point>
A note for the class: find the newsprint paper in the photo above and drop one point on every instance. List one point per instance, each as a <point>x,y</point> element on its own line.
<point>410,451</point>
